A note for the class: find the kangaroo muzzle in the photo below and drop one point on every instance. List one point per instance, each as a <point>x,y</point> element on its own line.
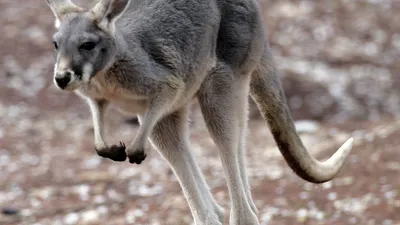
<point>63,78</point>
<point>66,80</point>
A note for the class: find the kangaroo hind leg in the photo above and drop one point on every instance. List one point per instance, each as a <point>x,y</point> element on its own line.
<point>170,137</point>
<point>223,99</point>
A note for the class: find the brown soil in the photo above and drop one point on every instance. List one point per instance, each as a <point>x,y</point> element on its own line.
<point>50,173</point>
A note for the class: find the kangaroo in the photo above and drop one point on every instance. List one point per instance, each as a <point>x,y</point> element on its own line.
<point>152,58</point>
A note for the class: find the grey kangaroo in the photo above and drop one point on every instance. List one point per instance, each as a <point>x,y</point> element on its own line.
<point>152,58</point>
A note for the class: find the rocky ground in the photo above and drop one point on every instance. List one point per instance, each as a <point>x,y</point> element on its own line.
<point>338,62</point>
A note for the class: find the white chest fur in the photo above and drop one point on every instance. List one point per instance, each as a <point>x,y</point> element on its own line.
<point>125,100</point>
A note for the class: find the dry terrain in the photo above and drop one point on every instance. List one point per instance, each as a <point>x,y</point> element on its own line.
<point>339,62</point>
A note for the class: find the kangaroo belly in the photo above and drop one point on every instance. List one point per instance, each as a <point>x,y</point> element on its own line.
<point>130,106</point>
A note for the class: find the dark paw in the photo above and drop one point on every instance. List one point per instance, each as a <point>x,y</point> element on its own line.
<point>115,152</point>
<point>137,156</point>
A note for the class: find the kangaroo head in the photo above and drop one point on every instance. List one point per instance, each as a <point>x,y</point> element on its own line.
<point>84,42</point>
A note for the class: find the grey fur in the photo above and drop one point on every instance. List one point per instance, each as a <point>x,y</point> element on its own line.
<point>152,57</point>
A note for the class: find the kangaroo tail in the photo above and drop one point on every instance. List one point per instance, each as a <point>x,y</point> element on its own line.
<point>267,92</point>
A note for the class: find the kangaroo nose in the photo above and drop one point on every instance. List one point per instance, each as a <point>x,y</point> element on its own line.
<point>62,80</point>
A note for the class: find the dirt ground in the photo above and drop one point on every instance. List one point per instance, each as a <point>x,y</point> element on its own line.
<point>338,62</point>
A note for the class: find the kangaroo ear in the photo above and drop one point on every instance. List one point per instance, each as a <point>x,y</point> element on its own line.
<point>61,7</point>
<point>107,11</point>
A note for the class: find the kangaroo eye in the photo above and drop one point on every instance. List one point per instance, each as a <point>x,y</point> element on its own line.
<point>88,46</point>
<point>55,45</point>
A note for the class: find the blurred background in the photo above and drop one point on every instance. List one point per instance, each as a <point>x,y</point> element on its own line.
<point>339,62</point>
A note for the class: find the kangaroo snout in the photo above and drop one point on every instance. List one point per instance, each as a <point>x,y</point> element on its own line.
<point>63,78</point>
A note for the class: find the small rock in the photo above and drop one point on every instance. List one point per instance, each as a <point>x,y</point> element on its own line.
<point>130,218</point>
<point>9,211</point>
<point>71,218</point>
<point>393,166</point>
<point>302,215</point>
<point>327,185</point>
<point>26,212</point>
<point>308,186</point>
<point>99,199</point>
<point>35,202</point>
<point>390,194</point>
<point>344,181</point>
<point>43,193</point>
<point>103,210</point>
<point>387,222</point>
<point>319,215</point>
<point>353,220</point>
<point>132,215</point>
<point>94,176</point>
<point>90,217</point>
<point>145,190</point>
<point>332,196</point>
<point>307,126</point>
<point>113,194</point>
<point>83,191</point>
<point>92,162</point>
<point>304,195</point>
<point>274,172</point>
<point>280,201</point>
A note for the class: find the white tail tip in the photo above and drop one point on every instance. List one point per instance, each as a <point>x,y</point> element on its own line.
<point>348,145</point>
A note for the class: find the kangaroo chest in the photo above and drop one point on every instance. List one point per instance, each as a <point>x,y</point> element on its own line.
<point>111,90</point>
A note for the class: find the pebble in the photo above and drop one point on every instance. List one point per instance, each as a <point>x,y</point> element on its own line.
<point>302,215</point>
<point>71,218</point>
<point>103,210</point>
<point>390,194</point>
<point>9,211</point>
<point>83,191</point>
<point>94,176</point>
<point>43,193</point>
<point>92,163</point>
<point>387,222</point>
<point>344,181</point>
<point>307,126</point>
<point>304,195</point>
<point>274,172</point>
<point>132,215</point>
<point>90,217</point>
<point>393,166</point>
<point>26,212</point>
<point>327,185</point>
<point>332,196</point>
<point>99,199</point>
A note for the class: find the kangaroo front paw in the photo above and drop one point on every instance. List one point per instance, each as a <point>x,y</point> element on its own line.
<point>115,152</point>
<point>137,156</point>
